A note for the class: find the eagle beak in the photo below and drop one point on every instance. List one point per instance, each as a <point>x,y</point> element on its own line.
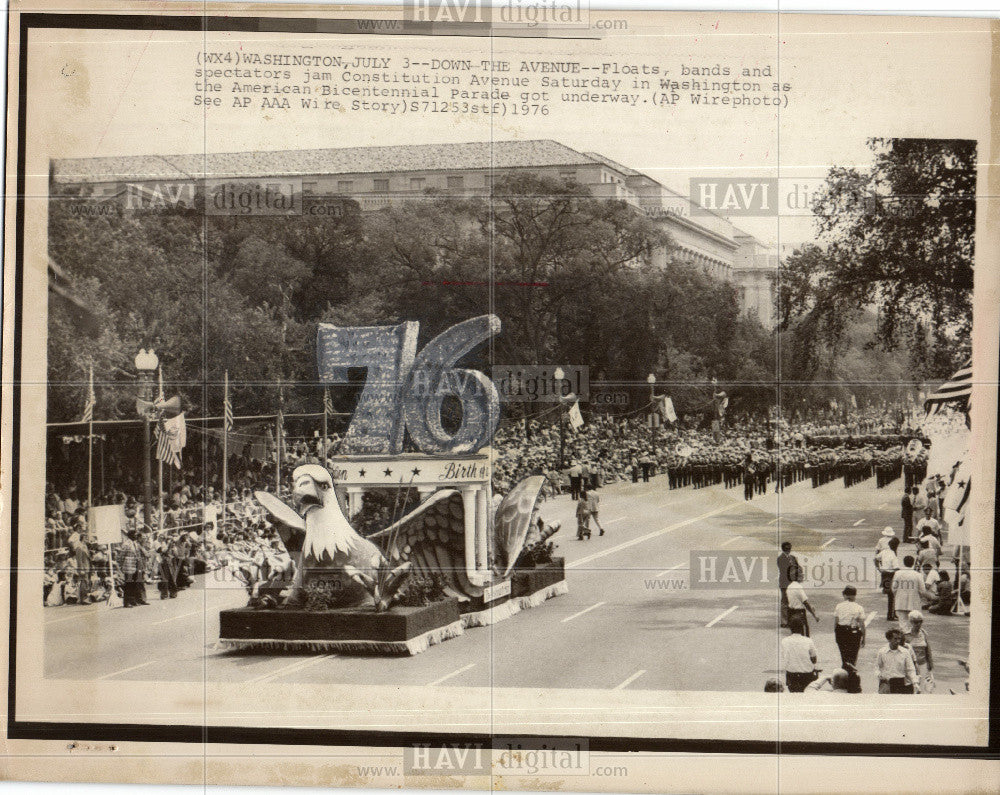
<point>306,494</point>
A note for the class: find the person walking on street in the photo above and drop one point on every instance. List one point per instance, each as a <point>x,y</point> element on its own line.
<point>583,516</point>
<point>919,501</point>
<point>907,515</point>
<point>886,562</point>
<point>894,665</point>
<point>785,560</point>
<point>798,657</point>
<point>849,627</point>
<point>575,480</point>
<point>594,504</point>
<point>798,602</point>
<point>923,661</point>
<point>133,567</point>
<point>908,588</point>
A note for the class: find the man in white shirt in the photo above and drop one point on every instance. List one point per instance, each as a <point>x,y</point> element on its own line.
<point>798,602</point>
<point>894,665</point>
<point>931,579</point>
<point>908,588</point>
<point>886,562</point>
<point>798,658</point>
<point>929,523</point>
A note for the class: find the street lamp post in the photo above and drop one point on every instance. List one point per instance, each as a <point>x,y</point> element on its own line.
<point>559,374</point>
<point>146,363</point>
<point>651,380</point>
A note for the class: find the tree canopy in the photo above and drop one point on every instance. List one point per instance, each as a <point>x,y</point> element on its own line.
<point>568,274</point>
<point>897,239</point>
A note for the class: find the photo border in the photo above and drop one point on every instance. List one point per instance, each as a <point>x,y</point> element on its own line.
<point>139,732</point>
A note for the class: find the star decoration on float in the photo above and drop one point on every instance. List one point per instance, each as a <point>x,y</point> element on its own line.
<point>416,471</point>
<point>388,471</point>
<point>361,473</point>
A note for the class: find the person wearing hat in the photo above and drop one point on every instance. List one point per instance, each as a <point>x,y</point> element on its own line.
<point>849,627</point>
<point>887,563</point>
<point>133,569</point>
<point>883,540</point>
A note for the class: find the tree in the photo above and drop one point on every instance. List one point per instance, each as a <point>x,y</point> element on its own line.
<point>900,237</point>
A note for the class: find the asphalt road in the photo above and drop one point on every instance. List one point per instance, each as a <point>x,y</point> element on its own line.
<point>629,620</point>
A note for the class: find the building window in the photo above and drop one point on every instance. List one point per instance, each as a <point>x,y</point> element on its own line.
<point>569,176</point>
<point>417,183</point>
<point>381,186</point>
<point>487,180</point>
<point>309,187</point>
<point>345,185</point>
<point>456,183</point>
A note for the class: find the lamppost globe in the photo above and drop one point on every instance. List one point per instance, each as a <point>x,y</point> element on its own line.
<point>651,379</point>
<point>146,361</point>
<point>559,374</point>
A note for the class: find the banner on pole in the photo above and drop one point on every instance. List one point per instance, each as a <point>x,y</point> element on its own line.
<point>575,417</point>
<point>107,523</point>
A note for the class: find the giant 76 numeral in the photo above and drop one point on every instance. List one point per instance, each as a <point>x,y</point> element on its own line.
<point>402,388</point>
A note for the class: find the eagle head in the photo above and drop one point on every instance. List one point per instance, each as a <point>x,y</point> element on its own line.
<point>329,535</point>
<point>313,486</point>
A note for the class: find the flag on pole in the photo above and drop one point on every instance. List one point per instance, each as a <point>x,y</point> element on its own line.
<point>88,407</point>
<point>958,389</point>
<point>575,417</point>
<point>171,436</point>
<point>955,501</point>
<point>327,403</point>
<point>227,407</point>
<point>667,409</point>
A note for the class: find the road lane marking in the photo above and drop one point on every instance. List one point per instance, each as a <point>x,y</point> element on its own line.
<point>77,614</point>
<point>825,544</point>
<point>672,568</point>
<point>654,534</point>
<point>721,616</point>
<point>288,669</point>
<point>628,681</point>
<point>577,615</point>
<point>445,678</point>
<point>732,540</point>
<point>616,519</point>
<point>774,520</point>
<point>882,505</point>
<point>183,615</point>
<point>860,521</point>
<point>126,670</point>
<point>868,620</point>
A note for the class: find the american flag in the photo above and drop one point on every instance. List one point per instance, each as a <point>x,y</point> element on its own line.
<point>957,389</point>
<point>171,436</point>
<point>227,407</point>
<point>88,407</point>
<point>327,403</point>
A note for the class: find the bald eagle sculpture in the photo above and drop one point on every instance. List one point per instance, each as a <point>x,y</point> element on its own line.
<point>431,537</point>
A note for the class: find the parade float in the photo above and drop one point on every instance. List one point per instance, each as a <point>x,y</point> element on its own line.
<point>460,558</point>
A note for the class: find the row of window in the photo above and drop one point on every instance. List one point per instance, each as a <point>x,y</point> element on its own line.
<point>381,185</point>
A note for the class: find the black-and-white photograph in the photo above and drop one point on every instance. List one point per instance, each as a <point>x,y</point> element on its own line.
<point>435,385</point>
<point>615,385</point>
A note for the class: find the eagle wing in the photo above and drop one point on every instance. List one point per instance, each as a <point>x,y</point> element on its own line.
<point>432,538</point>
<point>290,526</point>
<point>512,520</point>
